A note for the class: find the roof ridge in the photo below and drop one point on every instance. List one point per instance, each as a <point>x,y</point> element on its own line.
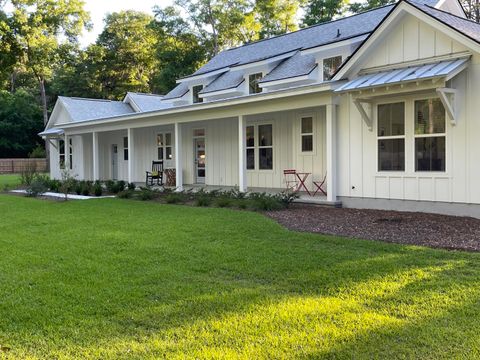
<point>146,94</point>
<point>309,27</point>
<point>449,13</point>
<point>90,99</point>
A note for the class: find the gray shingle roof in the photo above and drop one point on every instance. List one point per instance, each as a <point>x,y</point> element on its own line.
<point>464,26</point>
<point>177,92</point>
<point>225,81</point>
<point>148,102</point>
<point>312,36</point>
<point>91,109</point>
<point>297,65</point>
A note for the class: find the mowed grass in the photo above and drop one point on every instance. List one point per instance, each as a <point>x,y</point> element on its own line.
<point>123,279</point>
<point>10,180</point>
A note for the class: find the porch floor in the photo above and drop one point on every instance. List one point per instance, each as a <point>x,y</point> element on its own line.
<point>303,198</point>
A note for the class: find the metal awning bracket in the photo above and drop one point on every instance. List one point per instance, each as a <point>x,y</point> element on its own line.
<point>449,99</point>
<point>365,113</point>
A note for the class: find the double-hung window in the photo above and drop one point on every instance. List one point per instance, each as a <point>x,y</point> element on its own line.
<point>164,146</point>
<point>430,135</point>
<point>306,129</point>
<point>391,136</point>
<point>70,153</point>
<point>61,153</point>
<point>259,140</point>
<point>125,148</point>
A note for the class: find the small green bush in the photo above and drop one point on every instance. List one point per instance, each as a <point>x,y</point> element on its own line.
<point>132,186</point>
<point>86,188</point>
<point>110,185</point>
<point>54,185</point>
<point>203,200</point>
<point>175,198</point>
<point>38,152</point>
<point>97,188</point>
<point>146,194</point>
<point>78,187</point>
<point>36,188</point>
<point>125,194</point>
<point>223,202</point>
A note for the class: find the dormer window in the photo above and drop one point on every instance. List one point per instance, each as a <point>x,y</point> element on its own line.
<point>330,67</point>
<point>195,94</point>
<point>253,86</point>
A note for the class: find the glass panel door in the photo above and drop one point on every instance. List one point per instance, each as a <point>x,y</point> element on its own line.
<point>114,162</point>
<point>199,145</point>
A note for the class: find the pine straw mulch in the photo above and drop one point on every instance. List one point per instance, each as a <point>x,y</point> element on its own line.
<point>433,230</point>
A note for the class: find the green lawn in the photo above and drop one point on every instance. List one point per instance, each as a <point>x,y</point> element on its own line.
<point>121,279</point>
<point>9,180</point>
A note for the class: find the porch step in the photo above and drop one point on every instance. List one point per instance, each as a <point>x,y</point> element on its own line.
<point>310,200</point>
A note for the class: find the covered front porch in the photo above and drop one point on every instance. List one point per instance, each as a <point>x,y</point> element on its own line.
<point>249,152</point>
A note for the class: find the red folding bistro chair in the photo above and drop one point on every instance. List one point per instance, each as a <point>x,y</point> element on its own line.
<point>291,180</point>
<point>319,186</point>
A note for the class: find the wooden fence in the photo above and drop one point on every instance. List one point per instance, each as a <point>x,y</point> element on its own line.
<point>12,166</point>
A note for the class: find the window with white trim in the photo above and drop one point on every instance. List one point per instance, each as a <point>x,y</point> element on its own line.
<point>259,145</point>
<point>430,135</point>
<point>330,67</point>
<point>391,136</point>
<point>196,94</point>
<point>253,83</point>
<point>125,148</point>
<point>61,153</point>
<point>250,138</point>
<point>306,133</point>
<point>70,153</point>
<point>164,146</point>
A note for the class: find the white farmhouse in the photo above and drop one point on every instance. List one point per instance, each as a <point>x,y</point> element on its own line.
<point>385,105</point>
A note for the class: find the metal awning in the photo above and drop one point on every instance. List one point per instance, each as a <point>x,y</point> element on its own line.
<point>52,133</point>
<point>446,68</point>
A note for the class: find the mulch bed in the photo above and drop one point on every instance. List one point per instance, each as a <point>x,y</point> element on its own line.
<point>442,231</point>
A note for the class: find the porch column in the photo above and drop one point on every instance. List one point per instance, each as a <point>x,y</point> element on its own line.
<point>331,117</point>
<point>242,154</point>
<point>131,154</point>
<point>95,160</point>
<point>178,157</point>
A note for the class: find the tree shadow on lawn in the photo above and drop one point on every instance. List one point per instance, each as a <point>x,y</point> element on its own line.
<point>270,293</point>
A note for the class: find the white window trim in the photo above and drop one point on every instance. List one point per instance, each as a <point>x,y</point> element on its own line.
<point>415,136</point>
<point>248,82</point>
<point>202,100</point>
<point>323,65</point>
<point>410,136</point>
<point>172,145</point>
<point>392,137</point>
<point>257,147</point>
<point>313,133</point>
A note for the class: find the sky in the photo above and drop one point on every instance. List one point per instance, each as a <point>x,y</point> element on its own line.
<point>99,8</point>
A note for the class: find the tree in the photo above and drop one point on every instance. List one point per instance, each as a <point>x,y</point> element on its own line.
<point>472,9</point>
<point>179,50</point>
<point>128,44</point>
<point>20,122</point>
<point>319,11</point>
<point>276,16</point>
<point>369,4</point>
<point>38,27</point>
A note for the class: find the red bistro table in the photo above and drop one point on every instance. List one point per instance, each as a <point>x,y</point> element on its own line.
<point>302,177</point>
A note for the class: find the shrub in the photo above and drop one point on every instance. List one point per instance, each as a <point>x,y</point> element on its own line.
<point>110,185</point>
<point>36,188</point>
<point>28,174</point>
<point>132,186</point>
<point>146,194</point>
<point>68,183</point>
<point>97,188</point>
<point>223,201</point>
<point>54,185</point>
<point>203,200</point>
<point>175,198</point>
<point>86,188</point>
<point>78,187</point>
<point>125,194</point>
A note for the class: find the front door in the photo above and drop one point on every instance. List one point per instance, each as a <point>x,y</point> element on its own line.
<point>114,161</point>
<point>199,156</point>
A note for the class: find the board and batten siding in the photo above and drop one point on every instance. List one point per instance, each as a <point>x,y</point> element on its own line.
<point>410,40</point>
<point>357,146</point>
